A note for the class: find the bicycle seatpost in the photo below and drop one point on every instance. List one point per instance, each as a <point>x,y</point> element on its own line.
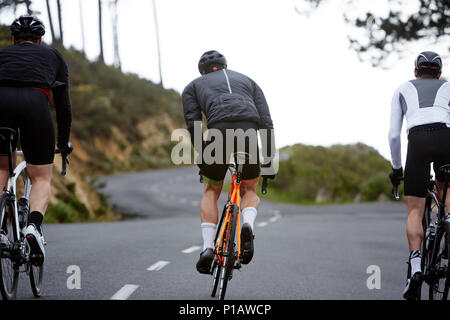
<point>264,186</point>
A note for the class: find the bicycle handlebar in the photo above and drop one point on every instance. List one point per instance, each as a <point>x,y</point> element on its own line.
<point>65,162</point>
<point>396,193</point>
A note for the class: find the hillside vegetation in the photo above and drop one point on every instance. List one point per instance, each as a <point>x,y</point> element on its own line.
<point>340,173</point>
<point>120,123</point>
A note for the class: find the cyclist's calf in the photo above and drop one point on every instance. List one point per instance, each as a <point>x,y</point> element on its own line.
<point>248,194</point>
<point>40,176</point>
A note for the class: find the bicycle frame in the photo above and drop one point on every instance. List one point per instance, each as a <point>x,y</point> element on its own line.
<point>233,199</point>
<point>12,189</point>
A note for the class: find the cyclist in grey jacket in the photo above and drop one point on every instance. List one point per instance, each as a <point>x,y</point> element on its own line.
<point>228,100</point>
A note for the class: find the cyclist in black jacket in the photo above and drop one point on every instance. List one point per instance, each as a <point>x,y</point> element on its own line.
<point>229,100</point>
<point>29,73</point>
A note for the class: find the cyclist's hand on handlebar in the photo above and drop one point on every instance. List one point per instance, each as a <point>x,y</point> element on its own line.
<point>396,176</point>
<point>65,148</point>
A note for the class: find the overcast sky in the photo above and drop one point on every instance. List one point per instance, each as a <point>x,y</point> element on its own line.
<point>318,91</point>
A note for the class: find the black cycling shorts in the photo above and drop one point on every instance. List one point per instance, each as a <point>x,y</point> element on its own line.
<point>426,144</point>
<point>215,172</point>
<point>27,111</point>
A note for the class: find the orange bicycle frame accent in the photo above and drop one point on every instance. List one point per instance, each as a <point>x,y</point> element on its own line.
<point>233,199</point>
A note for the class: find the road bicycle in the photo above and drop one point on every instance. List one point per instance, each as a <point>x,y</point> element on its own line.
<point>435,245</point>
<point>228,251</point>
<point>15,255</point>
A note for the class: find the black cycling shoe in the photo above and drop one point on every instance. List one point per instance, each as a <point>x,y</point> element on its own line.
<point>413,286</point>
<point>205,261</point>
<point>247,247</point>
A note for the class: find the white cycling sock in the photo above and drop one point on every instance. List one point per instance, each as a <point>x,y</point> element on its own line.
<point>415,258</point>
<point>208,234</point>
<point>447,217</point>
<point>249,215</point>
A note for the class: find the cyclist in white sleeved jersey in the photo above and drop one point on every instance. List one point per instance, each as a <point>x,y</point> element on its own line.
<point>425,103</point>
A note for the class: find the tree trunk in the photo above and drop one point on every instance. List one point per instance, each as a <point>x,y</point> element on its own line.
<point>114,14</point>
<point>83,41</point>
<point>100,30</point>
<point>50,22</point>
<point>157,43</point>
<point>61,37</point>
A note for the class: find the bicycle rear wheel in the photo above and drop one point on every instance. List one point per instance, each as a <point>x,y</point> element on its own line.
<point>9,273</point>
<point>229,260</point>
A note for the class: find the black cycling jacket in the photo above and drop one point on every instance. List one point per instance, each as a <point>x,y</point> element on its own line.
<point>226,96</point>
<point>35,65</point>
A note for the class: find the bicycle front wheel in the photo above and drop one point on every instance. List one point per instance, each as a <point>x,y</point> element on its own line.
<point>216,276</point>
<point>9,273</point>
<point>439,286</point>
<point>36,274</point>
<point>447,280</point>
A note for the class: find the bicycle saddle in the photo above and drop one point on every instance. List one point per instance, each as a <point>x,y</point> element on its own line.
<point>241,157</point>
<point>7,133</point>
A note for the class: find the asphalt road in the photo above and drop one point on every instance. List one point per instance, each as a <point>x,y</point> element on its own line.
<point>301,252</point>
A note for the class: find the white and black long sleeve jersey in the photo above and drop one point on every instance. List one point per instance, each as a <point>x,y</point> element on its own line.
<point>421,101</point>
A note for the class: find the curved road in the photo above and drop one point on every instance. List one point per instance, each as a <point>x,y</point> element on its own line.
<point>301,252</point>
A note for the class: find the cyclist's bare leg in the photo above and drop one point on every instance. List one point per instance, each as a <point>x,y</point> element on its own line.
<point>248,194</point>
<point>209,212</point>
<point>40,177</point>
<point>414,229</point>
<point>440,186</point>
<point>4,171</point>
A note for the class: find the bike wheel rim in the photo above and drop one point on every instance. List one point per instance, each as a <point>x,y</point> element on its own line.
<point>8,273</point>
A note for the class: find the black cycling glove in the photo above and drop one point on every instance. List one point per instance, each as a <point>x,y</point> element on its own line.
<point>396,176</point>
<point>267,176</point>
<point>65,148</point>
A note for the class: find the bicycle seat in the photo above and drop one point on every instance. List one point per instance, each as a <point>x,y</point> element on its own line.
<point>7,134</point>
<point>445,171</point>
<point>241,157</point>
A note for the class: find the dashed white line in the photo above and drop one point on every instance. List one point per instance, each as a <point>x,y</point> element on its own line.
<point>158,266</point>
<point>262,224</point>
<point>125,292</point>
<point>195,203</point>
<point>191,249</point>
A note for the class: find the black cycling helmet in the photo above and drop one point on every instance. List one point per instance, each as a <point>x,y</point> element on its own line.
<point>29,25</point>
<point>211,59</point>
<point>429,60</point>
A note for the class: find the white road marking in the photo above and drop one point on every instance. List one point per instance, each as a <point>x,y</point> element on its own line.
<point>262,224</point>
<point>191,249</point>
<point>195,203</point>
<point>183,200</point>
<point>125,292</point>
<point>158,266</point>
<point>276,217</point>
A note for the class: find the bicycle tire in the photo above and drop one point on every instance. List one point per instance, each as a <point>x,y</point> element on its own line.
<point>228,266</point>
<point>216,277</point>
<point>426,242</point>
<point>9,275</point>
<point>36,275</point>
<point>437,287</point>
<point>216,269</point>
<point>447,280</point>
